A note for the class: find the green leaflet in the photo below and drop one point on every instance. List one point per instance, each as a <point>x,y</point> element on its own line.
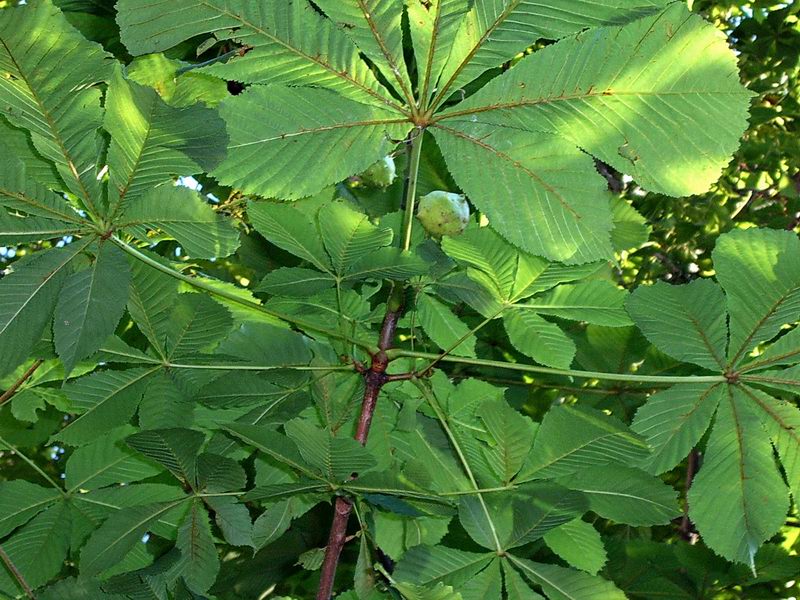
<point>559,583</point>
<point>16,144</point>
<point>105,462</point>
<point>541,340</point>
<point>738,478</point>
<point>20,501</point>
<point>90,305</point>
<point>596,302</point>
<point>270,127</point>
<point>443,327</point>
<point>176,85</point>
<point>429,565</point>
<point>674,420</point>
<point>579,544</point>
<point>199,562</point>
<point>336,458</point>
<point>39,548</point>
<point>494,32</point>
<point>375,26</point>
<point>197,323</point>
<point>233,519</point>
<point>27,299</point>
<point>572,439</point>
<point>338,241</point>
<point>20,192</point>
<point>15,229</point>
<point>349,236</point>
<point>272,523</point>
<point>781,419</point>
<point>625,494</point>
<point>660,67</point>
<point>183,215</point>
<point>152,141</point>
<point>517,519</point>
<point>176,449</point>
<point>103,400</point>
<point>119,534</point>
<point>512,435</point>
<point>60,107</point>
<point>151,300</point>
<point>434,28</point>
<point>515,586</point>
<point>761,277</point>
<point>687,322</point>
<point>530,199</point>
<point>292,44</point>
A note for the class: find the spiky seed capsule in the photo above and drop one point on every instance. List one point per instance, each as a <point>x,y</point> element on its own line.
<point>443,213</point>
<point>380,174</point>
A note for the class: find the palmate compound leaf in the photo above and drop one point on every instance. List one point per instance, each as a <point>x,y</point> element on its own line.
<point>59,106</point>
<point>758,274</point>
<point>670,69</point>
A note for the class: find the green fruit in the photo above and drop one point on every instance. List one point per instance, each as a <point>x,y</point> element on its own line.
<point>443,213</point>
<point>381,174</point>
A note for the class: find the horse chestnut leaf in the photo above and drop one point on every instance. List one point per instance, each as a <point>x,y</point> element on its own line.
<point>380,174</point>
<point>443,213</point>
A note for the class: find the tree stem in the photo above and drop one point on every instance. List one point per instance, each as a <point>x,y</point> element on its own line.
<point>7,395</point>
<point>16,573</point>
<point>375,377</point>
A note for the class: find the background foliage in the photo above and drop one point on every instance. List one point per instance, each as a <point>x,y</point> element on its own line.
<point>168,443</point>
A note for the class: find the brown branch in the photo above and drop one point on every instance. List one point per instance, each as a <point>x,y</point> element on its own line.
<point>375,377</point>
<point>16,573</point>
<point>686,528</point>
<point>7,395</point>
